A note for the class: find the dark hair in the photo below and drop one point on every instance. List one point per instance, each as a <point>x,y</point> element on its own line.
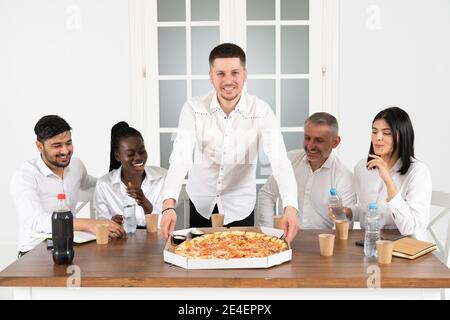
<point>401,126</point>
<point>324,118</point>
<point>50,126</point>
<point>227,50</point>
<point>120,131</point>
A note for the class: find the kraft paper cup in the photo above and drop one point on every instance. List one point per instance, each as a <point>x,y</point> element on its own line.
<point>277,222</point>
<point>326,242</point>
<point>217,220</point>
<point>384,251</point>
<point>101,234</point>
<point>342,229</point>
<point>152,222</point>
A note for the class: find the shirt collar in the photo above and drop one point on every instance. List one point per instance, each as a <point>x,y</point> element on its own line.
<point>397,165</point>
<point>327,164</point>
<point>241,105</point>
<point>45,170</point>
<point>150,174</point>
<point>214,102</point>
<point>116,176</point>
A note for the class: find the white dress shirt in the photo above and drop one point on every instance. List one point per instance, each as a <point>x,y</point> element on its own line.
<point>408,211</point>
<point>313,191</point>
<point>34,188</point>
<point>110,193</point>
<point>221,153</point>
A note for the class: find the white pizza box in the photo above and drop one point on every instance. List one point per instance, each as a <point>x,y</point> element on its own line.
<point>171,257</point>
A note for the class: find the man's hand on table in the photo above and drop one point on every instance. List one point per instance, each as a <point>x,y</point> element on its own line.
<point>168,219</point>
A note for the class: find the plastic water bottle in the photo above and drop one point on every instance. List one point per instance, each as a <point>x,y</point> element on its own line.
<point>336,205</point>
<point>129,215</point>
<point>62,232</point>
<point>372,233</point>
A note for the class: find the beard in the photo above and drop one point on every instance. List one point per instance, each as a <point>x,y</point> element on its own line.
<point>229,99</point>
<point>54,161</point>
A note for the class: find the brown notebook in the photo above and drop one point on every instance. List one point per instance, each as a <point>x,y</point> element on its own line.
<point>411,248</point>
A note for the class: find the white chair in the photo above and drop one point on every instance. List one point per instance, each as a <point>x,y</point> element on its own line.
<point>441,200</point>
<point>86,197</point>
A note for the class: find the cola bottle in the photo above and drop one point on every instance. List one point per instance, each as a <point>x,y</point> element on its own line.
<point>62,232</point>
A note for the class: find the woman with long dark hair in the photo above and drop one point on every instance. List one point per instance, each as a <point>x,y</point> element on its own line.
<point>128,177</point>
<point>393,178</point>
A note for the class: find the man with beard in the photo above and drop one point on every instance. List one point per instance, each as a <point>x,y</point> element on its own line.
<point>34,187</point>
<point>317,169</point>
<point>217,142</point>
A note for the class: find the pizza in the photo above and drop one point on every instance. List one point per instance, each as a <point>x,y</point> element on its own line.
<point>230,245</point>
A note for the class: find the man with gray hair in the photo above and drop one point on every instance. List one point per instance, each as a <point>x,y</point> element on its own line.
<point>317,169</point>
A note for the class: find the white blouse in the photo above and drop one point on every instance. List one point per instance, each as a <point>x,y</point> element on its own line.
<point>110,193</point>
<point>408,211</point>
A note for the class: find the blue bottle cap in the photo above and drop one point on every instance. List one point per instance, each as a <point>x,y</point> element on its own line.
<point>333,191</point>
<point>373,205</point>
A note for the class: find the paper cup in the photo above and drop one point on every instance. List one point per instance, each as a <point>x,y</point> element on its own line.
<point>101,234</point>
<point>277,222</point>
<point>217,220</point>
<point>342,229</point>
<point>152,222</point>
<point>384,251</point>
<point>326,242</point>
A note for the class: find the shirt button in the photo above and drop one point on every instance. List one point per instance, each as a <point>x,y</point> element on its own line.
<point>218,182</point>
<point>225,118</point>
<point>217,196</point>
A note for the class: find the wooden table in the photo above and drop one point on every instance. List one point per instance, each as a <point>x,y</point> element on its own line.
<point>138,262</point>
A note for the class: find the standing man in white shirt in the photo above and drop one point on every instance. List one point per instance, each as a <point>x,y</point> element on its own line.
<point>317,169</point>
<point>217,141</point>
<point>34,187</point>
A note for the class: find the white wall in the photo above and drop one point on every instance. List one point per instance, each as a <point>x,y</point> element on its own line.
<point>49,66</point>
<point>406,62</point>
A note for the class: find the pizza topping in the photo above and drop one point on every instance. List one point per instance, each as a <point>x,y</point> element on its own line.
<point>229,245</point>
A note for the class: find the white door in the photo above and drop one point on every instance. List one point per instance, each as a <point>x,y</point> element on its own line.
<point>172,40</point>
